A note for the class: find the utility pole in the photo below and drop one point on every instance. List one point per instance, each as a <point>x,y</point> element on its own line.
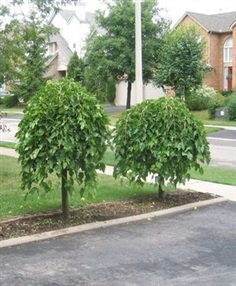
<point>138,53</point>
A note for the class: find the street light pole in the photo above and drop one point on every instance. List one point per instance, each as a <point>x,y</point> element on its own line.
<point>138,52</point>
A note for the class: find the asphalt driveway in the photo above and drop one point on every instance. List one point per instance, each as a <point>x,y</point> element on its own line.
<point>192,248</point>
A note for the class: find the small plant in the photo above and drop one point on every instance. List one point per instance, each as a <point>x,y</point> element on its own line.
<point>64,131</point>
<point>10,101</point>
<point>111,90</point>
<point>199,98</point>
<point>231,104</point>
<point>226,92</point>
<point>3,127</point>
<point>159,137</point>
<point>214,103</point>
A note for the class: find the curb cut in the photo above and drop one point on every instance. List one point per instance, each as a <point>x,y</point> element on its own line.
<point>91,226</point>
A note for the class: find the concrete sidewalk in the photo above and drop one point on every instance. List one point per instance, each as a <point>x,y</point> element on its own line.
<point>225,191</point>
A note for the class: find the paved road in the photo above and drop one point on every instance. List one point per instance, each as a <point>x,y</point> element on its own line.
<point>222,143</point>
<point>223,148</point>
<point>192,248</point>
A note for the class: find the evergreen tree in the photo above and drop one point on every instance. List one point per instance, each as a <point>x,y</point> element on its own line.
<point>30,77</point>
<point>75,69</point>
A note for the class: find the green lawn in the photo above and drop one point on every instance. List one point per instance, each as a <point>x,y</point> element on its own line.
<point>13,202</point>
<point>12,197</point>
<point>8,145</point>
<point>204,117</point>
<point>201,115</point>
<point>211,174</point>
<point>15,110</point>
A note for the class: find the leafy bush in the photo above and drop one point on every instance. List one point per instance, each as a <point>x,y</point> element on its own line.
<point>226,92</point>
<point>161,137</point>
<point>10,101</point>
<point>199,98</point>
<point>231,104</point>
<point>214,103</point>
<point>64,130</point>
<point>111,90</point>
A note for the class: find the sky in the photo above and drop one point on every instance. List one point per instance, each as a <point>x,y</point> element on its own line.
<point>175,9</point>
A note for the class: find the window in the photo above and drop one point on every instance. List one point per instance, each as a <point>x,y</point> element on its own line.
<point>53,48</point>
<point>228,50</point>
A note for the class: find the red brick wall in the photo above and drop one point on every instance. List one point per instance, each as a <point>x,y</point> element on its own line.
<point>234,58</point>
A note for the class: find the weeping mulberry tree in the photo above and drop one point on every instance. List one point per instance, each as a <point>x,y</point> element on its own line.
<point>64,131</point>
<point>160,137</point>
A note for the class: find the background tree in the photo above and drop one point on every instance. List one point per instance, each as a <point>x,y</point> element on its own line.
<point>24,33</point>
<point>160,137</point>
<point>113,53</point>
<point>76,68</point>
<point>64,130</point>
<point>11,53</point>
<point>181,62</point>
<point>29,78</point>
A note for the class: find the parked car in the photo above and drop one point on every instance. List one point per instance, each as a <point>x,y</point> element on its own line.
<point>3,92</point>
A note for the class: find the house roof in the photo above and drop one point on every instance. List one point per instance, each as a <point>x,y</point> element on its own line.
<point>67,14</point>
<point>62,44</point>
<point>219,23</point>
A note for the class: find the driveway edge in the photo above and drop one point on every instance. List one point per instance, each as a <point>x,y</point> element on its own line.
<point>96,225</point>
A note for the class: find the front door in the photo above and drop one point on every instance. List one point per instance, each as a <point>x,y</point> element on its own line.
<point>229,78</point>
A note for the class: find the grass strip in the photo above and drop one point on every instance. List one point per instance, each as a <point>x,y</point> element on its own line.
<point>13,201</point>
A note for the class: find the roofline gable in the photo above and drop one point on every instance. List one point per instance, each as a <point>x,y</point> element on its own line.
<point>190,16</point>
<point>215,23</point>
<point>55,13</point>
<point>233,24</point>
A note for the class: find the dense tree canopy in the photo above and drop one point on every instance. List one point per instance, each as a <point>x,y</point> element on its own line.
<point>113,52</point>
<point>159,137</point>
<point>181,64</point>
<point>64,131</point>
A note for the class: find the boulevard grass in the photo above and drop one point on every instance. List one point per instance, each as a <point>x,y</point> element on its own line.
<point>13,203</point>
<point>219,175</point>
<point>12,145</point>
<point>202,115</point>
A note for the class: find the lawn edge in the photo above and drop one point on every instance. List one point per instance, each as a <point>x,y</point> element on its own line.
<point>96,225</point>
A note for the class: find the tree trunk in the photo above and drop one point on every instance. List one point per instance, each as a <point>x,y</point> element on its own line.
<point>64,195</point>
<point>128,102</point>
<point>160,189</point>
<point>184,95</point>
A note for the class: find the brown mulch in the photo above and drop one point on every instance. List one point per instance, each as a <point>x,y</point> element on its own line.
<point>97,212</point>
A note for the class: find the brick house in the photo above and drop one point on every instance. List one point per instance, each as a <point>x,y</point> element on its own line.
<point>219,32</point>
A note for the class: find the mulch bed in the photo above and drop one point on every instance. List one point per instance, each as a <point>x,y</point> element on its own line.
<point>39,223</point>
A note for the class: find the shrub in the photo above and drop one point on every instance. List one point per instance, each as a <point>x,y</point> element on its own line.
<point>199,98</point>
<point>161,137</point>
<point>111,90</point>
<point>231,104</point>
<point>214,103</point>
<point>10,101</point>
<point>226,92</point>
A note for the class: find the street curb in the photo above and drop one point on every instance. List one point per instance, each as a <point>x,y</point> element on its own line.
<point>91,226</point>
